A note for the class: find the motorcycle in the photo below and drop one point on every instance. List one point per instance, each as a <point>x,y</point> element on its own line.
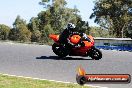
<point>86,48</point>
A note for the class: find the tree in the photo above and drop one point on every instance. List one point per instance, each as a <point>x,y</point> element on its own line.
<point>20,31</point>
<point>112,15</point>
<point>98,32</point>
<point>47,29</point>
<point>130,29</point>
<point>24,33</point>
<point>52,19</point>
<point>4,32</point>
<point>82,26</point>
<point>13,34</point>
<point>33,26</point>
<point>36,36</point>
<point>58,15</point>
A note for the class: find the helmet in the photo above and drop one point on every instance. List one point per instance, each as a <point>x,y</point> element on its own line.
<point>70,26</point>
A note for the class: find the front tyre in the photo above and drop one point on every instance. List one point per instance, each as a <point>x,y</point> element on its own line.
<point>95,53</point>
<point>61,51</point>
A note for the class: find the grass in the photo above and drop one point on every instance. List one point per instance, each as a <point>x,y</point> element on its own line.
<point>19,82</point>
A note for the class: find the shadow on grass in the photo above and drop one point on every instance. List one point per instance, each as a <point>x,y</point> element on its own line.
<point>59,58</point>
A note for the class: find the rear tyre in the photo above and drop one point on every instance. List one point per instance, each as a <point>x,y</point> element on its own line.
<point>95,53</point>
<point>61,51</point>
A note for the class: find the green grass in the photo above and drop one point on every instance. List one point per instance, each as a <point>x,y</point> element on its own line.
<point>18,82</point>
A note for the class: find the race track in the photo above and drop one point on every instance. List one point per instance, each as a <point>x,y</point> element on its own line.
<point>39,61</point>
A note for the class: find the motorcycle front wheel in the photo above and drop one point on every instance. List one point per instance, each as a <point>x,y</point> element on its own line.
<point>95,53</point>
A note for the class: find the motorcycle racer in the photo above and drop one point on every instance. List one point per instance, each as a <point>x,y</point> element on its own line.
<point>69,31</point>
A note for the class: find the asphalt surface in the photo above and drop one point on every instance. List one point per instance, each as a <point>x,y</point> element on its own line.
<point>39,61</point>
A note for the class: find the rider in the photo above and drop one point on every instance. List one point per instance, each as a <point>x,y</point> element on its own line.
<point>70,30</point>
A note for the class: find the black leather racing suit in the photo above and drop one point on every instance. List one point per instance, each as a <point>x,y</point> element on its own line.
<point>63,39</point>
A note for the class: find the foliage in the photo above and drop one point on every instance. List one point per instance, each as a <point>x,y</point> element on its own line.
<point>36,36</point>
<point>20,32</point>
<point>56,16</point>
<point>4,32</point>
<point>110,14</point>
<point>113,15</point>
<point>130,29</point>
<point>33,26</point>
<point>99,32</point>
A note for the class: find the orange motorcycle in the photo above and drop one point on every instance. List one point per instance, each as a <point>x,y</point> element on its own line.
<point>86,48</point>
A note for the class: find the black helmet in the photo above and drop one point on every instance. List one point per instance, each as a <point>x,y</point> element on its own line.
<point>70,26</point>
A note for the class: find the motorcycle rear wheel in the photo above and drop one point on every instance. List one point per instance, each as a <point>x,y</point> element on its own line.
<point>59,50</point>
